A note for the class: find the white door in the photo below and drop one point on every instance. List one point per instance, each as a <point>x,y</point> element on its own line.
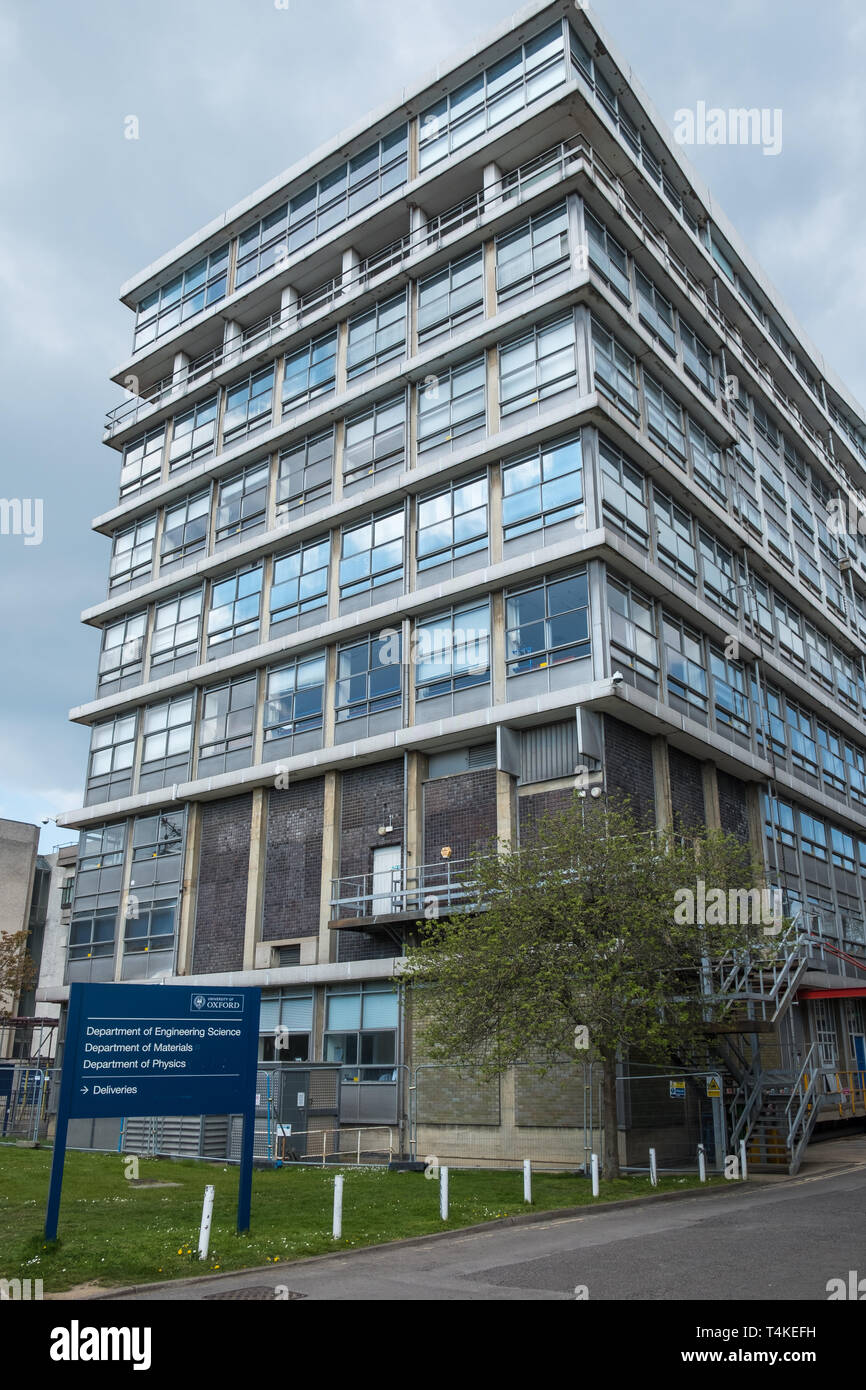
<point>387,863</point>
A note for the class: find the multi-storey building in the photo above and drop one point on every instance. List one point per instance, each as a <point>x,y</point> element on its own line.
<point>473,450</point>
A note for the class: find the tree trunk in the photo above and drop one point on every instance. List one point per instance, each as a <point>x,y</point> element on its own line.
<point>610,1160</point>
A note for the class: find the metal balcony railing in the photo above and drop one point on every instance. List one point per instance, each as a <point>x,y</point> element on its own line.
<point>428,890</point>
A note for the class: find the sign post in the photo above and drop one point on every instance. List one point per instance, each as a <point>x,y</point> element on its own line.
<point>158,1050</point>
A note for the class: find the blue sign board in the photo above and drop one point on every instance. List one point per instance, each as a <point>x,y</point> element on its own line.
<point>158,1050</point>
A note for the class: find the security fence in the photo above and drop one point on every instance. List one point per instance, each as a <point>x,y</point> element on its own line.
<point>27,1097</point>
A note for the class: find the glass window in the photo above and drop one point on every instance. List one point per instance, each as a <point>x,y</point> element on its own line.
<point>607,256</point>
<point>176,631</point>
<point>624,503</point>
<point>142,461</point>
<point>542,488</point>
<point>707,464</point>
<point>91,935</point>
<point>249,406</point>
<point>242,503</point>
<point>300,581</point>
<point>813,835</point>
<point>655,312</point>
<point>193,435</point>
<point>718,573</point>
<point>295,698</point>
<point>547,624</point>
<point>150,929</point>
<point>346,190</point>
<point>183,296</point>
<point>730,693</point>
<point>452,522</point>
<point>698,360</point>
<point>186,531</point>
<point>804,751</point>
<point>492,96</point>
<point>235,607</point>
<point>451,407</point>
<point>132,554</point>
<point>372,554</point>
<point>123,650</point>
<point>538,365</point>
<point>664,418</point>
<point>615,371</point>
<point>228,715</point>
<point>167,739</point>
<point>310,373</point>
<point>112,751</point>
<point>675,546</point>
<point>375,440</point>
<point>451,297</point>
<point>452,651</point>
<point>304,474</point>
<point>376,337</point>
<point>532,254</point>
<point>686,667</point>
<point>633,641</point>
<point>368,677</point>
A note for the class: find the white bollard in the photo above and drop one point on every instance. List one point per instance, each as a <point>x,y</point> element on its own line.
<point>527,1180</point>
<point>338,1207</point>
<point>593,1165</point>
<point>206,1215</point>
<point>743,1164</point>
<point>702,1163</point>
<point>443,1193</point>
<point>654,1172</point>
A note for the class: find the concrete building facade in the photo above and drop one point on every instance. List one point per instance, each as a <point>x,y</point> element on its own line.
<point>473,451</point>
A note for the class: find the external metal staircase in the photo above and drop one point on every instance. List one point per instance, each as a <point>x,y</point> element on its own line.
<point>773,1112</point>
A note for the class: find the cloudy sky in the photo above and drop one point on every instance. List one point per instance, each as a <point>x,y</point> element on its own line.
<point>230,92</point>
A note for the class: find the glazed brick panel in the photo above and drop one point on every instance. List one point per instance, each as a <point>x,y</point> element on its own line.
<point>293,863</point>
<point>628,765</point>
<point>687,788</point>
<point>733,807</point>
<point>365,792</point>
<point>532,809</point>
<point>222,884</point>
<point>459,811</point>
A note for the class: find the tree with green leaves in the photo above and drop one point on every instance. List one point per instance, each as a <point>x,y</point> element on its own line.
<point>592,924</point>
<point>17,969</point>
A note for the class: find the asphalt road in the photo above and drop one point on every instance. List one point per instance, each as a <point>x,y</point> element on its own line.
<point>780,1240</point>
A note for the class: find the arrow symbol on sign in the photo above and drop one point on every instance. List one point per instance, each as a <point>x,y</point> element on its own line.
<point>84,1090</point>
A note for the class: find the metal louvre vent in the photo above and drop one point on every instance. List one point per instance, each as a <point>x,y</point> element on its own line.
<point>484,755</point>
<point>549,753</point>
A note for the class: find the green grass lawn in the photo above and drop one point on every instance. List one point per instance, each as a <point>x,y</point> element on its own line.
<point>115,1233</point>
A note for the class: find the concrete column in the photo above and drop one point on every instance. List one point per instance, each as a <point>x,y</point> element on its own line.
<point>330,864</point>
<point>255,876</point>
<point>189,892</point>
<point>506,808</point>
<point>490,300</point>
<point>497,648</point>
<point>330,697</point>
<point>712,814</point>
<point>334,574</point>
<point>339,454</point>
<point>662,783</point>
<point>351,262</point>
<point>757,838</point>
<point>492,183</point>
<point>492,384</point>
<point>179,370</point>
<point>414,831</point>
<point>232,338</point>
<point>417,222</point>
<point>288,302</point>
<point>494,513</point>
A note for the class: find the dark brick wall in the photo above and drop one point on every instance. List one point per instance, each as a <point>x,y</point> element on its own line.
<point>459,811</point>
<point>532,809</point>
<point>733,808</point>
<point>293,864</point>
<point>687,790</point>
<point>222,884</point>
<point>628,765</point>
<point>365,793</point>
<point>361,945</point>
